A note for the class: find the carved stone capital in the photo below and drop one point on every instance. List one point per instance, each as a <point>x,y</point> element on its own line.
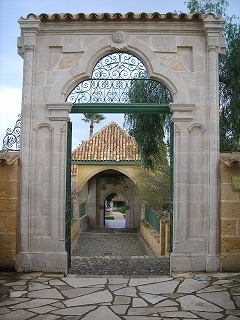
<point>213,43</point>
<point>182,112</point>
<point>29,47</point>
<point>59,111</point>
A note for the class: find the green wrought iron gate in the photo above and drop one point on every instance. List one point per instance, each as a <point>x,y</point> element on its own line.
<point>68,215</point>
<point>171,183</point>
<point>119,84</point>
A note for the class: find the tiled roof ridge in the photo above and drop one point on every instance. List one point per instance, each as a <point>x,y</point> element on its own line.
<point>142,16</point>
<point>97,133</point>
<point>111,143</point>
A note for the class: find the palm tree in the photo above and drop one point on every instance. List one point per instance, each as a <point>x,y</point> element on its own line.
<point>93,118</point>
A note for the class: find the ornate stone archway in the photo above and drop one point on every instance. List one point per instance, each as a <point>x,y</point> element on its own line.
<point>59,51</point>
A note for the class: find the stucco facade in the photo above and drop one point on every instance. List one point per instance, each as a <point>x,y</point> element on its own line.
<point>59,51</point>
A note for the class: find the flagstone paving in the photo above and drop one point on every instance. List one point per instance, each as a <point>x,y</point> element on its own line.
<point>42,296</point>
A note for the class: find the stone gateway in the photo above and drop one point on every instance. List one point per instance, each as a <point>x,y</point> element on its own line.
<point>59,51</point>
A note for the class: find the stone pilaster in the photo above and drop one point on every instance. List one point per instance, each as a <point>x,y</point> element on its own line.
<point>189,240</point>
<point>214,45</point>
<point>28,46</point>
<point>46,199</point>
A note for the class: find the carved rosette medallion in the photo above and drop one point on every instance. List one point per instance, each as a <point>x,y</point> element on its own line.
<point>118,36</point>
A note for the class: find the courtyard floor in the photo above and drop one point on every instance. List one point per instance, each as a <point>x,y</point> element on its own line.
<point>42,296</point>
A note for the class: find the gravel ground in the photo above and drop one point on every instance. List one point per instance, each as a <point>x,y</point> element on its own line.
<point>110,244</point>
<point>115,253</point>
<point>134,266</point>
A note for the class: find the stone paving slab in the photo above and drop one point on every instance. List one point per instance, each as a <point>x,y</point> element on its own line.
<point>181,296</point>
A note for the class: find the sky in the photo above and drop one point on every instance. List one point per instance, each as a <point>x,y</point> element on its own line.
<point>11,64</point>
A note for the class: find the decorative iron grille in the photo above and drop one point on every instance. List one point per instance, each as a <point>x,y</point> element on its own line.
<point>119,78</point>
<point>11,141</point>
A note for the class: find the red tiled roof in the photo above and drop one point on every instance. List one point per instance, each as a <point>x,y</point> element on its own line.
<point>111,143</point>
<point>135,16</point>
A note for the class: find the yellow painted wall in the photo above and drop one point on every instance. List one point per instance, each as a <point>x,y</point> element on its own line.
<point>86,171</point>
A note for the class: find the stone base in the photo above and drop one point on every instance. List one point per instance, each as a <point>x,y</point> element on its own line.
<point>193,262</point>
<point>42,261</point>
<point>213,263</point>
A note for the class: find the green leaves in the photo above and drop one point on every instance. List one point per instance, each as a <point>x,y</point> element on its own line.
<point>148,129</point>
<point>229,73</point>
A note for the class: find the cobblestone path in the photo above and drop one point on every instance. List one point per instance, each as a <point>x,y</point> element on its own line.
<point>114,252</point>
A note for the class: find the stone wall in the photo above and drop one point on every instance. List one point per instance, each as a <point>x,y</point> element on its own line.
<point>230,211</point>
<point>158,242</point>
<point>9,171</point>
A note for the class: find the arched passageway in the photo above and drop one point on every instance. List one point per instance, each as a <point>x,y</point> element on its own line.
<point>119,81</point>
<point>115,211</point>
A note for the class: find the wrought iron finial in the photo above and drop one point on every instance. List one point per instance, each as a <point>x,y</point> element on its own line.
<point>11,141</point>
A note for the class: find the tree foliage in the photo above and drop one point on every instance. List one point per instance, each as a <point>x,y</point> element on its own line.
<point>148,129</point>
<point>229,73</point>
<point>205,6</point>
<point>153,187</point>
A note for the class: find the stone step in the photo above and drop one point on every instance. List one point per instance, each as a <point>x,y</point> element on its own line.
<point>127,266</point>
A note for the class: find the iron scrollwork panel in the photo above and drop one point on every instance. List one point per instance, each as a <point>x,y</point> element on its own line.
<point>12,140</point>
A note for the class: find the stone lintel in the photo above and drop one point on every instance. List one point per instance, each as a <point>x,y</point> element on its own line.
<point>42,261</point>
<point>59,111</point>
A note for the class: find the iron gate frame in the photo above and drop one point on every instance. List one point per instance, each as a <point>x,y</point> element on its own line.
<point>86,97</point>
<point>132,108</point>
<point>68,205</point>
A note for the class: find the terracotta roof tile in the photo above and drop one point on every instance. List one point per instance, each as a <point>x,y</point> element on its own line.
<point>111,143</point>
<point>142,16</point>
